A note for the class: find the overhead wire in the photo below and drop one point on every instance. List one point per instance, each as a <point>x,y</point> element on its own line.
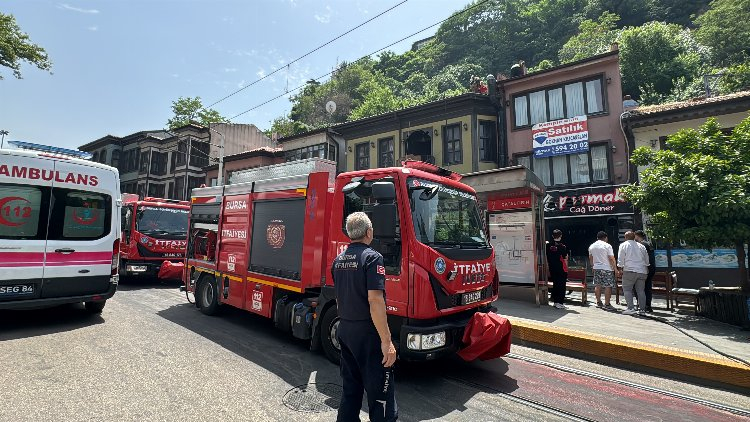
<point>359,59</point>
<point>307,54</point>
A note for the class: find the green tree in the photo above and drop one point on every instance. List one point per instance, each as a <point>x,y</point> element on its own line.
<point>697,189</point>
<point>724,28</point>
<point>186,109</point>
<point>680,12</point>
<point>284,126</point>
<point>735,78</point>
<point>655,55</point>
<point>16,47</point>
<point>543,65</point>
<point>309,106</point>
<point>594,37</point>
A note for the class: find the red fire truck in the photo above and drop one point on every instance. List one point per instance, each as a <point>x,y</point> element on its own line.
<point>265,243</point>
<point>154,230</point>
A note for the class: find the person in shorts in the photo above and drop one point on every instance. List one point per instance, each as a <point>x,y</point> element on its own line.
<point>602,259</point>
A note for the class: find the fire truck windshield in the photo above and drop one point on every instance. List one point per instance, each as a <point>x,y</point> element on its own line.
<point>162,221</point>
<point>444,216</point>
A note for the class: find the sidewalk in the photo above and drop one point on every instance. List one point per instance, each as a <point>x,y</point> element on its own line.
<point>643,341</point>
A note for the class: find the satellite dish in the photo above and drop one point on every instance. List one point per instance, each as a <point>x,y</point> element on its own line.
<point>330,107</point>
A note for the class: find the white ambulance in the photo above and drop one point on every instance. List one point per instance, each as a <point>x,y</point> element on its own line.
<point>59,228</point>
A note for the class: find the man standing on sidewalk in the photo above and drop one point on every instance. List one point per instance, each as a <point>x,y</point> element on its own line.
<point>632,258</point>
<point>557,261</point>
<point>602,260</point>
<point>640,237</point>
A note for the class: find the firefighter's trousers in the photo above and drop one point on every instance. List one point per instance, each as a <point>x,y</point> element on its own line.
<point>362,370</point>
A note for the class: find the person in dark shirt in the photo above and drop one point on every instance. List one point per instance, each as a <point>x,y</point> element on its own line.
<point>367,352</point>
<point>640,237</point>
<point>557,261</point>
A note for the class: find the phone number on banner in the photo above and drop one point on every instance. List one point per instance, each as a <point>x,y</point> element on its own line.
<point>561,149</point>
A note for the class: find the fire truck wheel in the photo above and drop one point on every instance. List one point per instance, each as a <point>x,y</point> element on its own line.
<point>95,307</point>
<point>208,296</point>
<point>329,327</point>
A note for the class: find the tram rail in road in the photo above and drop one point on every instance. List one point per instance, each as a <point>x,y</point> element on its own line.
<point>661,391</point>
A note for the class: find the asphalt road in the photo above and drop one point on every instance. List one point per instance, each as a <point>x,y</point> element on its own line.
<point>151,356</point>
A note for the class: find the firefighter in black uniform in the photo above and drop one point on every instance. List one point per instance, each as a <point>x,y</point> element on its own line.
<point>367,352</point>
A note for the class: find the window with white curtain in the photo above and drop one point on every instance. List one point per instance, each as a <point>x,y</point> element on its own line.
<point>571,169</point>
<point>594,98</point>
<point>579,168</point>
<point>577,98</point>
<point>574,99</point>
<point>524,160</point>
<point>541,169</point>
<point>560,169</point>
<point>520,108</point>
<point>538,107</point>
<point>556,109</point>
<point>599,163</point>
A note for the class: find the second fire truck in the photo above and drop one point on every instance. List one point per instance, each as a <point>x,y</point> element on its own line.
<point>154,230</point>
<point>265,244</point>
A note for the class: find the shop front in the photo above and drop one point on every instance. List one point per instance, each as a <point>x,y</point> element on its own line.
<point>581,213</point>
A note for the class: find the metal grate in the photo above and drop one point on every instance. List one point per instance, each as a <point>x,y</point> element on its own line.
<point>314,398</point>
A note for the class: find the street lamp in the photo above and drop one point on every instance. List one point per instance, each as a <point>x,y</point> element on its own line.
<point>3,132</point>
<point>220,179</point>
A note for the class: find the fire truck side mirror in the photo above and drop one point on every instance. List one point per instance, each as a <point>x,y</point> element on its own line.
<point>384,221</point>
<point>384,192</point>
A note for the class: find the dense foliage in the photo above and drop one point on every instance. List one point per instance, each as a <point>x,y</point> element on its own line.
<point>187,109</point>
<point>666,47</point>
<point>698,188</point>
<point>16,47</point>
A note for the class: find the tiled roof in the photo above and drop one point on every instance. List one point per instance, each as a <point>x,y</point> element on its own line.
<point>695,102</point>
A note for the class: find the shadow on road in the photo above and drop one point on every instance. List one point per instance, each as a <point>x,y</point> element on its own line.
<point>425,390</point>
<point>141,283</point>
<point>16,324</point>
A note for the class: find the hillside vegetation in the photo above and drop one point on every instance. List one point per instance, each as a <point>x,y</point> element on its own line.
<point>666,47</point>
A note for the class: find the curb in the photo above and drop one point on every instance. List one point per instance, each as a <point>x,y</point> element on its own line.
<point>695,364</point>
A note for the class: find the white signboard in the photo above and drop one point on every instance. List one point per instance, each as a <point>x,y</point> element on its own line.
<point>560,137</point>
<point>512,236</point>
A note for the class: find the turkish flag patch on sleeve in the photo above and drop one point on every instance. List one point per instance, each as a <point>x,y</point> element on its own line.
<point>380,269</point>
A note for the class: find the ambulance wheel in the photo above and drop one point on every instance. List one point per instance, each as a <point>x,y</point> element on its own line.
<point>208,297</point>
<point>328,329</point>
<point>95,307</point>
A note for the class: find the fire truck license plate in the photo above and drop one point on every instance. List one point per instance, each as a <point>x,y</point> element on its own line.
<point>471,297</point>
<point>19,289</point>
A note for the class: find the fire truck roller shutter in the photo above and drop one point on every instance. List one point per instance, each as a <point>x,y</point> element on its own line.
<point>278,229</point>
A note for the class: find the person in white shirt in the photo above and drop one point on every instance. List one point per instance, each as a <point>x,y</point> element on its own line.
<point>632,259</point>
<point>602,260</point>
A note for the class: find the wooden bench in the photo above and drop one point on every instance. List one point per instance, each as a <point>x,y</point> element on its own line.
<point>577,283</point>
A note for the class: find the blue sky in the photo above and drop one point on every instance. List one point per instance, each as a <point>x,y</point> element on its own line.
<point>118,65</point>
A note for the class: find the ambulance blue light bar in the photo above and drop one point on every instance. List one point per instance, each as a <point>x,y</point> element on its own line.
<point>52,150</point>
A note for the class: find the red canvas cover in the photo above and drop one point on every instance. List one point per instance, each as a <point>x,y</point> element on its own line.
<point>171,270</point>
<point>487,336</point>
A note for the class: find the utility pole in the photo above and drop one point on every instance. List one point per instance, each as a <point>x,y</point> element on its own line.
<point>187,162</point>
<point>3,132</point>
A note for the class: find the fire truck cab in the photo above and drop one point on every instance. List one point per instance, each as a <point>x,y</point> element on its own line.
<point>265,243</point>
<point>154,230</point>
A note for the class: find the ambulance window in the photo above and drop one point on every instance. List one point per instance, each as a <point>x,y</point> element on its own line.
<point>79,215</point>
<point>21,215</point>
